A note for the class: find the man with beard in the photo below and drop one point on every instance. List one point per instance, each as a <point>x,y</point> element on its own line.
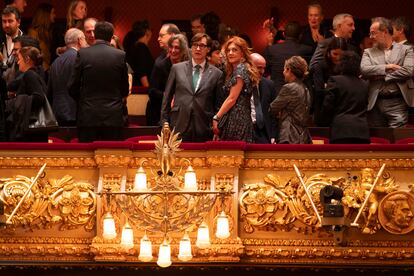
<point>389,67</point>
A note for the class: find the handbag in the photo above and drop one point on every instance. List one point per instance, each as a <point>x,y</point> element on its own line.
<point>45,120</point>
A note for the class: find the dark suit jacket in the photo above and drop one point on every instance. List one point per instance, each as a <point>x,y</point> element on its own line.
<point>156,89</point>
<point>276,55</point>
<point>267,92</point>
<point>319,53</point>
<point>60,72</point>
<point>98,84</point>
<point>346,101</point>
<point>193,111</point>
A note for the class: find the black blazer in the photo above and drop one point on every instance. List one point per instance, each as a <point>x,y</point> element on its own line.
<point>346,102</point>
<point>276,55</point>
<point>267,92</point>
<point>99,83</point>
<point>156,89</point>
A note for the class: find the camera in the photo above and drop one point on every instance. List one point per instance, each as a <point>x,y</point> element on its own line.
<point>333,210</point>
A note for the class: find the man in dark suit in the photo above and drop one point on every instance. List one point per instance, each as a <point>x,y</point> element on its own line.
<point>158,79</point>
<point>193,85</point>
<point>99,83</point>
<point>60,73</point>
<point>276,55</point>
<point>343,26</point>
<point>264,124</point>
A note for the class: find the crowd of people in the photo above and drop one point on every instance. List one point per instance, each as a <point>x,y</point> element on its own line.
<point>207,84</point>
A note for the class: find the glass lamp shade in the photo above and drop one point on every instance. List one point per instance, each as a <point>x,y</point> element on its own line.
<point>164,255</point>
<point>185,249</point>
<point>190,180</point>
<point>203,236</point>
<point>140,183</point>
<point>145,249</point>
<point>223,229</point>
<point>109,229</point>
<point>127,239</point>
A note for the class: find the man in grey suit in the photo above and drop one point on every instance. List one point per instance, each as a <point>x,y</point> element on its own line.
<point>343,26</point>
<point>190,93</point>
<point>389,66</point>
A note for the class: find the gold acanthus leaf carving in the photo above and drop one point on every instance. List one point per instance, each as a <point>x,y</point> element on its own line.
<point>54,162</point>
<point>60,202</point>
<point>327,164</point>
<point>276,205</point>
<point>225,161</point>
<point>112,160</point>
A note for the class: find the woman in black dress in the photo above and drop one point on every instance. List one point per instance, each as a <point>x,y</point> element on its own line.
<point>234,115</point>
<point>30,97</point>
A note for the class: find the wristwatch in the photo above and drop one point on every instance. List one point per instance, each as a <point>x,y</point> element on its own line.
<point>216,118</point>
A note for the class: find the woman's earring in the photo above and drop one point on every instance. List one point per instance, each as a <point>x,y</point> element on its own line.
<point>242,60</point>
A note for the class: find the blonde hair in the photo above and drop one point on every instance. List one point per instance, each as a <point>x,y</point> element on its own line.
<point>70,21</point>
<point>254,74</point>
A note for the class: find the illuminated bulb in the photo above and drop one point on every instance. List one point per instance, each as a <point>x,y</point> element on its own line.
<point>109,230</point>
<point>203,236</point>
<point>185,249</point>
<point>145,249</point>
<point>127,239</point>
<point>223,231</point>
<point>140,183</point>
<point>164,254</point>
<point>190,180</point>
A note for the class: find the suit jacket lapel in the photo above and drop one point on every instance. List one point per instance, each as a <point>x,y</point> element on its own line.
<point>394,56</point>
<point>189,73</point>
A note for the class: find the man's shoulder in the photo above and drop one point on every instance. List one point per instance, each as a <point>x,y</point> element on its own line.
<point>180,65</point>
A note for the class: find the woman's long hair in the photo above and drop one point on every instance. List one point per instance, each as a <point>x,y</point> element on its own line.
<point>244,48</point>
<point>41,22</point>
<point>70,21</point>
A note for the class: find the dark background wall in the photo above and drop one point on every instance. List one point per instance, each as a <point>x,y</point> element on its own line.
<point>246,15</point>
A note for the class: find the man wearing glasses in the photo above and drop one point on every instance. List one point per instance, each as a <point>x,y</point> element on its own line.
<point>190,94</point>
<point>389,67</point>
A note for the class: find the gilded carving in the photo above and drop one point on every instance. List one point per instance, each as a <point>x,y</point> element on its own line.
<point>225,161</point>
<point>274,204</point>
<point>103,160</point>
<point>356,192</point>
<point>326,164</point>
<point>396,212</point>
<point>53,162</point>
<point>62,202</point>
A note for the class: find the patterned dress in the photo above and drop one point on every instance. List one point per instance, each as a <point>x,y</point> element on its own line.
<point>237,125</point>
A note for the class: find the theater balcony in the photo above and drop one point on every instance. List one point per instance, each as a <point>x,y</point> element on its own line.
<point>278,217</point>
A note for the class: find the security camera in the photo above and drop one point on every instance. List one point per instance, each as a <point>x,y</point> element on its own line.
<point>333,210</point>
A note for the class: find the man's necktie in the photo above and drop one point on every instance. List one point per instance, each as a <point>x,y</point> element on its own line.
<point>196,76</point>
<point>258,108</point>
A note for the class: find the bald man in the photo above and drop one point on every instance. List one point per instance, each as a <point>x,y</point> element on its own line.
<point>265,132</point>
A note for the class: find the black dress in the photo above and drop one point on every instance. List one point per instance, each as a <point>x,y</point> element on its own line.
<point>238,124</point>
<point>141,61</point>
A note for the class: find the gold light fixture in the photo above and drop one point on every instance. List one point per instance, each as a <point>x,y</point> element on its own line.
<point>170,202</point>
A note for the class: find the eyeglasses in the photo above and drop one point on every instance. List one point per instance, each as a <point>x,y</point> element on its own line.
<point>373,33</point>
<point>196,45</point>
